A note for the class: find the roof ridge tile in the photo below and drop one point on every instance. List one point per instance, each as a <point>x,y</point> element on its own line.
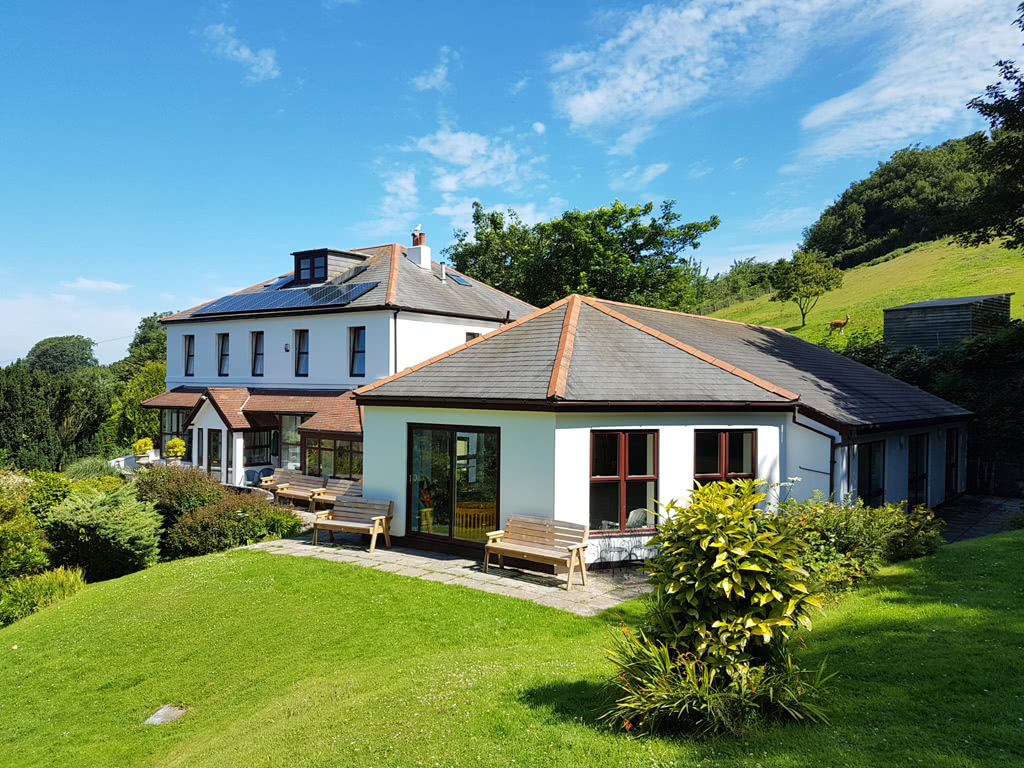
<point>563,355</point>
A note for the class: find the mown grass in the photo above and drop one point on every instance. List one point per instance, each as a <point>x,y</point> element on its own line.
<point>930,271</point>
<point>302,662</point>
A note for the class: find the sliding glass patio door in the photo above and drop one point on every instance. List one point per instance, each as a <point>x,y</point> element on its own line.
<point>453,481</point>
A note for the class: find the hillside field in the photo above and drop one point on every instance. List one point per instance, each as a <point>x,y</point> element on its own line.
<point>930,271</point>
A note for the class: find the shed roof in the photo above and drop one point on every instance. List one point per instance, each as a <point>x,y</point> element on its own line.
<point>612,353</point>
<point>955,301</point>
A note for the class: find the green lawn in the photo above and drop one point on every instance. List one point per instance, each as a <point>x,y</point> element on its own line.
<point>932,271</point>
<point>301,662</point>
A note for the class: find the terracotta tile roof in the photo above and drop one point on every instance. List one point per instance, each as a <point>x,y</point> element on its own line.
<point>179,397</point>
<point>343,416</point>
<point>228,402</point>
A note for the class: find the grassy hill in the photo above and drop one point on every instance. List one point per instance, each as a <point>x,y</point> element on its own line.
<point>929,271</point>
<point>302,662</point>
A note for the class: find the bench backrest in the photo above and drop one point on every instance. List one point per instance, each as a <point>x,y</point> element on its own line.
<point>358,509</point>
<point>338,487</point>
<point>544,531</point>
<point>297,480</point>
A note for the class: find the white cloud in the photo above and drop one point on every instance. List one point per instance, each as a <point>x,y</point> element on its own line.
<point>637,177</point>
<point>472,160</point>
<point>539,128</point>
<point>784,219</point>
<point>436,79</point>
<point>88,284</point>
<point>920,87</point>
<point>261,64</point>
<point>738,163</point>
<point>698,169</point>
<point>63,315</point>
<point>397,207</point>
<point>627,143</point>
<point>460,210</point>
<point>518,85</point>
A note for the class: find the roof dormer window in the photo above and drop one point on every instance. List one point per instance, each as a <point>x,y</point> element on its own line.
<point>310,268</point>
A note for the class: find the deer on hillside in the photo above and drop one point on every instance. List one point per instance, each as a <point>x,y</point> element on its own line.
<point>838,325</point>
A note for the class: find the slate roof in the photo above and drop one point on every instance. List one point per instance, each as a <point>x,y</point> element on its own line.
<point>400,284</point>
<point>952,302</point>
<point>582,351</point>
<point>252,408</point>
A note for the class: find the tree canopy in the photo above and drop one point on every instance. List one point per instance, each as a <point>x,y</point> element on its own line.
<point>999,209</point>
<point>61,354</point>
<point>804,280</point>
<point>618,252</point>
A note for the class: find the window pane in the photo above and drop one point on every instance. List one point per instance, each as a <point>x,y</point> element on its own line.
<point>431,479</point>
<point>706,460</point>
<point>476,485</point>
<point>289,456</point>
<point>641,454</point>
<point>357,466</point>
<point>342,464</point>
<point>604,506</point>
<point>326,462</point>
<point>741,453</point>
<point>320,267</point>
<point>639,495</point>
<point>605,458</point>
<point>312,460</point>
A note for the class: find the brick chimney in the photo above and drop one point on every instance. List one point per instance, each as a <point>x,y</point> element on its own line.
<point>419,253</point>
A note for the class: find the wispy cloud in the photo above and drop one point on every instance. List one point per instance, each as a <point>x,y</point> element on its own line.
<point>459,210</point>
<point>261,64</point>
<point>470,160</point>
<point>397,207</point>
<point>436,79</point>
<point>518,85</point>
<point>784,219</point>
<point>539,128</point>
<point>88,284</point>
<point>921,86</point>
<point>738,163</point>
<point>639,177</point>
<point>698,170</point>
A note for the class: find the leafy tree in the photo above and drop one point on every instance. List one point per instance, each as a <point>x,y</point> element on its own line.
<point>999,208</point>
<point>128,420</point>
<point>618,252</point>
<point>78,404</point>
<point>61,354</point>
<point>148,345</point>
<point>804,280</point>
<point>27,432</point>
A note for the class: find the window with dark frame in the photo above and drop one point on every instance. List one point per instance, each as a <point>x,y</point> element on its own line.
<point>257,446</point>
<point>257,353</point>
<point>172,421</point>
<point>871,472</point>
<point>223,361</point>
<point>291,440</point>
<point>623,480</point>
<point>190,354</point>
<point>724,455</point>
<point>917,470</point>
<point>357,358</point>
<point>302,353</point>
<point>334,458</point>
<point>310,269</point>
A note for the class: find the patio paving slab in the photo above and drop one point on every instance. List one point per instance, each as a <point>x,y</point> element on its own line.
<point>605,589</point>
<point>968,517</point>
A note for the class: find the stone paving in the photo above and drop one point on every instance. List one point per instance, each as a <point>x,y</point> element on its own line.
<point>969,517</point>
<point>605,588</point>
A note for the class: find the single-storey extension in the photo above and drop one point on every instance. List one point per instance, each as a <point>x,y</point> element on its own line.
<point>588,409</point>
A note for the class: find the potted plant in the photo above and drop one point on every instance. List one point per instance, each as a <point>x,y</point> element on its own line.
<point>141,449</point>
<point>174,450</point>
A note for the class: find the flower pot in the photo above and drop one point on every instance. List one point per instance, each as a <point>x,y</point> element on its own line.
<point>173,461</point>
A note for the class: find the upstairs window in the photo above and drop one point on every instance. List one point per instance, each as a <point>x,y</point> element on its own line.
<point>222,354</point>
<point>302,353</point>
<point>357,358</point>
<point>724,455</point>
<point>257,353</point>
<point>310,269</point>
<point>190,355</point>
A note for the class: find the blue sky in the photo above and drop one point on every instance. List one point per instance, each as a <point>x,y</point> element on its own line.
<point>153,155</point>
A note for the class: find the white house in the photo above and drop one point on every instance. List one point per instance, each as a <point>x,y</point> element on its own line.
<point>587,409</point>
<point>261,378</point>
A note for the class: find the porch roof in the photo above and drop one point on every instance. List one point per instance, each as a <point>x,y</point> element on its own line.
<point>179,397</point>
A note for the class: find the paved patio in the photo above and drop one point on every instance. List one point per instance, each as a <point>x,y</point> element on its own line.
<point>969,517</point>
<point>605,588</point>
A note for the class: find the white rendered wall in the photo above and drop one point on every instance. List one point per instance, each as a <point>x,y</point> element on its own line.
<point>527,469</point>
<point>329,352</point>
<point>208,419</point>
<point>420,337</point>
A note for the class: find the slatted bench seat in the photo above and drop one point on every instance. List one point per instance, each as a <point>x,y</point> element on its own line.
<point>354,514</point>
<point>291,484</point>
<point>334,489</point>
<point>540,540</point>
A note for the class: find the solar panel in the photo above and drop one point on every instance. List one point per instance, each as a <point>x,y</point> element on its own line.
<point>281,282</point>
<point>459,279</point>
<point>347,275</point>
<point>329,295</point>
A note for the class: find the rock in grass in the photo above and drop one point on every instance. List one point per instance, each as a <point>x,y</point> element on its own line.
<point>166,714</point>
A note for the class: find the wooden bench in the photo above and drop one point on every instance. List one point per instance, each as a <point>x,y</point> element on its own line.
<point>333,490</point>
<point>292,484</point>
<point>540,540</point>
<point>354,514</point>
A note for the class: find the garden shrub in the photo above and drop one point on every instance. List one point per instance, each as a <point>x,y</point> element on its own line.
<point>22,597</point>
<point>105,534</point>
<point>91,466</point>
<point>728,592</point>
<point>101,483</point>
<point>48,490</point>
<point>142,445</point>
<point>1016,521</point>
<point>22,546</point>
<point>232,521</point>
<point>175,448</point>
<point>176,490</point>
<point>848,542</point>
<point>14,490</point>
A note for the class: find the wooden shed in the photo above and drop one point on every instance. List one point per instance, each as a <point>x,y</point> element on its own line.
<point>937,323</point>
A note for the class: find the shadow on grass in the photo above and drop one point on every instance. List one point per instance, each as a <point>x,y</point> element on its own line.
<point>578,701</point>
